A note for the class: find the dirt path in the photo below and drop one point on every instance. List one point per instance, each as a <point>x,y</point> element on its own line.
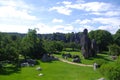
<point>63,60</point>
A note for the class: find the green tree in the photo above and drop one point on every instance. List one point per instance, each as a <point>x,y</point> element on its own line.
<point>73,45</point>
<point>114,50</point>
<point>53,46</point>
<point>58,45</point>
<point>58,37</point>
<point>9,50</point>
<point>32,45</point>
<point>117,37</point>
<point>102,37</point>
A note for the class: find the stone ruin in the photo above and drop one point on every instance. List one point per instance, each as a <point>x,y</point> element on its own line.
<point>28,62</point>
<point>48,58</point>
<point>76,59</point>
<point>88,46</point>
<point>67,55</point>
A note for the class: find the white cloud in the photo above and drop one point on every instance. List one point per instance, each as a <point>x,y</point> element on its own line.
<point>85,21</point>
<point>57,20</point>
<point>109,28</point>
<point>15,28</point>
<point>107,13</point>
<point>61,10</point>
<point>108,21</point>
<point>15,3</point>
<point>109,24</point>
<point>97,6</point>
<point>66,2</point>
<point>63,28</point>
<point>15,16</point>
<point>91,6</point>
<point>80,1</point>
<point>43,28</point>
<point>112,13</point>
<point>15,10</point>
<point>75,6</point>
<point>66,9</point>
<point>11,12</point>
<point>82,27</point>
<point>69,28</point>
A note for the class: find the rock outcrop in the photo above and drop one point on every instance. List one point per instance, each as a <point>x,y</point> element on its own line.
<point>88,46</point>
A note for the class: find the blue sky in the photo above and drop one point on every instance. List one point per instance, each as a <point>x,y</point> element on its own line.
<point>59,15</point>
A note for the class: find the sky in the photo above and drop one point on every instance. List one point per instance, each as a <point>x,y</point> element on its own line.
<point>49,16</point>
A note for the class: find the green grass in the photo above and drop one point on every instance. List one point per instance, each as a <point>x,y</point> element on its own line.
<point>103,56</point>
<point>55,70</point>
<point>64,71</point>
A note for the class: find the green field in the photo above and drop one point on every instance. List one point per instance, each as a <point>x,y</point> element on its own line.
<point>55,70</point>
<point>91,60</point>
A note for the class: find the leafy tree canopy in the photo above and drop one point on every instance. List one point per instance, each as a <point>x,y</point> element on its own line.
<point>117,37</point>
<point>102,37</point>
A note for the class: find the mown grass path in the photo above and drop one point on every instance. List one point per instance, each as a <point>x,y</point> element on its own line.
<point>66,61</point>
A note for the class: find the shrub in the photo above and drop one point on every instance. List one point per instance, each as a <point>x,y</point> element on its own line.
<point>110,71</point>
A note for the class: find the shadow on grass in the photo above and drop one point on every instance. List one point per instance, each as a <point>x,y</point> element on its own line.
<point>58,53</point>
<point>47,61</point>
<point>37,62</point>
<point>9,70</point>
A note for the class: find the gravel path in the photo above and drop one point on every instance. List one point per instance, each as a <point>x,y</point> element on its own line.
<point>66,61</point>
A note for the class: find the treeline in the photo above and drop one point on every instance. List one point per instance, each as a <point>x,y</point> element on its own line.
<point>68,37</point>
<point>102,37</point>
<point>72,40</point>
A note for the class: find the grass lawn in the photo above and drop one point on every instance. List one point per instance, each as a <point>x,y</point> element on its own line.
<point>55,70</point>
<point>103,56</point>
<point>58,70</point>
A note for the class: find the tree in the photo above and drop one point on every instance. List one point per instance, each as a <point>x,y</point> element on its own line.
<point>32,45</point>
<point>103,38</point>
<point>53,46</point>
<point>58,37</point>
<point>58,45</point>
<point>9,50</point>
<point>73,45</point>
<point>67,36</point>
<point>117,37</point>
<point>114,50</point>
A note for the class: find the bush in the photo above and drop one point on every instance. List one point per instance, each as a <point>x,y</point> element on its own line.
<point>110,71</point>
<point>100,62</point>
<point>114,50</point>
